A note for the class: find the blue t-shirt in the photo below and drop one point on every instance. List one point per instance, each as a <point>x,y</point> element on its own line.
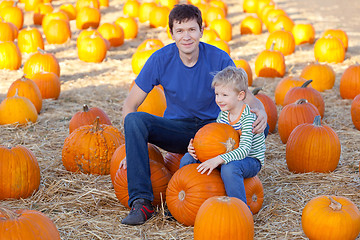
<point>187,90</point>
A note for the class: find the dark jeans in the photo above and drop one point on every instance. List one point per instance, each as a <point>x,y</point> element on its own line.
<point>142,128</point>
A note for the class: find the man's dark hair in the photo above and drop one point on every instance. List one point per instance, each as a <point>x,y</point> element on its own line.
<point>184,12</point>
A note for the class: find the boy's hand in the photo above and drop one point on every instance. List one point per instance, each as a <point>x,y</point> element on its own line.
<point>210,165</point>
<point>191,149</point>
<point>261,121</point>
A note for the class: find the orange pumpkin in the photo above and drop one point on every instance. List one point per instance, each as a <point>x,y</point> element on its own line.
<point>219,43</point>
<point>129,25</point>
<point>323,76</point>
<point>41,61</point>
<point>209,35</point>
<point>270,63</point>
<point>30,5</point>
<point>6,32</point>
<point>172,161</point>
<point>293,115</point>
<point>187,191</point>
<point>10,56</point>
<point>219,3</point>
<point>223,217</point>
<point>140,57</point>
<point>29,40</point>
<point>120,154</point>
<point>350,82</point>
<point>214,139</point>
<point>261,4</point>
<point>88,17</point>
<point>270,108</point>
<point>329,49</point>
<point>145,10</point>
<point>17,110</point>
<point>250,6</point>
<point>355,112</point>
<point>48,83</point>
<point>303,33</point>
<point>40,11</point>
<point>113,33</point>
<point>251,25</point>
<point>87,117</point>
<point>160,178</point>
<point>212,13</point>
<point>13,14</point>
<point>325,217</point>
<point>313,148</point>
<point>340,34</point>
<point>89,148</point>
<point>80,4</point>
<point>69,9</point>
<point>92,49</point>
<point>223,28</point>
<point>159,17</point>
<point>284,86</point>
<point>282,41</point>
<point>242,63</point>
<point>20,173</point>
<point>131,8</point>
<point>264,11</point>
<point>272,15</point>
<point>27,224</point>
<point>254,193</point>
<point>25,87</point>
<point>282,22</point>
<point>52,16</point>
<point>57,31</point>
<point>308,93</point>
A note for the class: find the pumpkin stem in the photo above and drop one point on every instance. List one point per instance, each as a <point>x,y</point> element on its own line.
<point>16,92</point>
<point>8,214</point>
<point>334,205</point>
<point>85,108</point>
<point>272,45</point>
<point>224,198</point>
<point>181,195</point>
<point>229,144</point>
<point>41,50</point>
<point>256,90</point>
<point>317,121</point>
<point>96,124</point>
<point>301,101</point>
<point>305,84</point>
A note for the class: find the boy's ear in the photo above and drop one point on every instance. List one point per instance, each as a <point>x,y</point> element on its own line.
<point>241,95</point>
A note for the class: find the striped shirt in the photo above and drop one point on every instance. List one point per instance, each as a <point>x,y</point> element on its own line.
<point>251,145</point>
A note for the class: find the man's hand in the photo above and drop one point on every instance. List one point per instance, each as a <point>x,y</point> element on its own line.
<point>191,149</point>
<point>210,165</point>
<point>260,123</point>
<point>123,164</point>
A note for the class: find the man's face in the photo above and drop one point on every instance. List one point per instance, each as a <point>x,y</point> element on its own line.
<point>187,35</point>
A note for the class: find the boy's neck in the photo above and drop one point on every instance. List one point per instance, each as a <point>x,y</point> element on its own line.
<point>236,112</point>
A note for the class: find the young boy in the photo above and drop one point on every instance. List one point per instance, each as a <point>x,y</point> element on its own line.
<point>230,86</point>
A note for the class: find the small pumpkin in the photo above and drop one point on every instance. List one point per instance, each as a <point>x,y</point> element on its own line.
<point>188,190</point>
<point>282,41</point>
<point>40,11</point>
<point>48,83</point>
<point>325,217</point>
<point>89,148</point>
<point>282,22</point>
<point>113,33</point>
<point>250,6</point>
<point>80,4</point>
<point>209,35</point>
<point>145,10</point>
<point>6,32</point>
<point>20,173</point>
<point>140,57</point>
<point>41,61</point>
<point>57,31</point>
<point>29,40</point>
<point>87,117</point>
<point>223,217</point>
<point>27,224</point>
<point>92,49</point>
<point>69,9</point>
<point>340,34</point>
<point>329,49</point>
<point>270,63</point>
<point>284,86</point>
<point>254,193</point>
<point>129,26</point>
<point>323,76</point>
<point>212,13</point>
<point>251,25</point>
<point>52,16</point>
<point>350,82</point>
<point>159,16</point>
<point>26,87</point>
<point>293,115</point>
<point>355,112</point>
<point>214,139</point>
<point>303,33</point>
<point>219,43</point>
<point>223,28</point>
<point>270,108</point>
<point>13,14</point>
<point>10,56</point>
<point>160,178</point>
<point>131,8</point>
<point>308,93</point>
<point>313,148</point>
<point>88,17</point>
<point>242,63</point>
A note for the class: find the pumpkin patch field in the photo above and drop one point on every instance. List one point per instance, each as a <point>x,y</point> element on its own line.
<point>62,63</point>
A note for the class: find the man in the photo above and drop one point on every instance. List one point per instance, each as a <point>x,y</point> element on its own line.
<point>185,70</point>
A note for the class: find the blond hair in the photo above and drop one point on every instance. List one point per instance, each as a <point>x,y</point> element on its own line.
<point>237,77</point>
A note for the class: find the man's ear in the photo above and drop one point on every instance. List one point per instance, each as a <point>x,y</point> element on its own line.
<point>241,95</point>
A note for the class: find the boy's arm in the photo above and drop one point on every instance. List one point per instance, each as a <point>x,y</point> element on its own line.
<point>256,107</point>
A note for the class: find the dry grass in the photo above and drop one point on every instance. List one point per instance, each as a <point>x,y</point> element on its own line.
<point>85,206</point>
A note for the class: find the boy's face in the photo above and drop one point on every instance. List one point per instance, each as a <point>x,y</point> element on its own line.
<point>227,98</point>
<point>187,36</point>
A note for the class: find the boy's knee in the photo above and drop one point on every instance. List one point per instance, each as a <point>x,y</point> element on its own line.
<point>186,160</point>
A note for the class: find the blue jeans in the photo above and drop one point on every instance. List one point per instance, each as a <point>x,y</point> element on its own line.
<point>142,128</point>
<point>232,174</point>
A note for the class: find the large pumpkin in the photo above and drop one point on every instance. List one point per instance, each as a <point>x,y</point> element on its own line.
<point>331,218</point>
<point>223,217</point>
<point>19,173</point>
<point>188,189</point>
<point>355,112</point>
<point>87,117</point>
<point>270,108</point>
<point>323,76</point>
<point>350,82</point>
<point>308,93</point>
<point>120,154</point>
<point>293,115</point>
<point>26,224</point>
<point>89,148</point>
<point>214,139</point>
<point>26,88</point>
<point>48,83</point>
<point>313,148</point>
<point>160,178</point>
